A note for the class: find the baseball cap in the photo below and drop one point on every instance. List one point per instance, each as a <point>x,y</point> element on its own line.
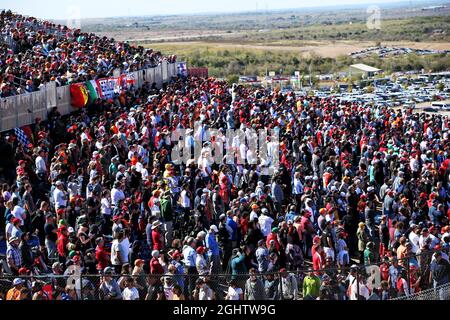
<point>138,261</point>
<point>175,254</point>
<point>155,253</point>
<point>214,228</point>
<point>108,270</point>
<point>200,250</point>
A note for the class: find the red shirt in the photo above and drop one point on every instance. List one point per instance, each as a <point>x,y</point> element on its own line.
<point>317,263</point>
<point>157,240</point>
<point>62,245</point>
<point>102,256</point>
<point>273,236</point>
<point>384,271</point>
<point>156,267</point>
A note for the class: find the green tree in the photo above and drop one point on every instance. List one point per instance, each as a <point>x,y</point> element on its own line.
<point>370,89</point>
<point>440,86</point>
<point>232,78</point>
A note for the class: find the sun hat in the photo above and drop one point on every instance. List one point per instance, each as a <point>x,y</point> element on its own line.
<point>156,224</point>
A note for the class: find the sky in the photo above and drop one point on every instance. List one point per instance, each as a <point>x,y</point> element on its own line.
<point>72,9</point>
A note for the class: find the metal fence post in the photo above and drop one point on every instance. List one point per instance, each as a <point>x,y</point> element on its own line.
<point>81,287</point>
<point>281,286</point>
<point>408,275</point>
<point>357,283</point>
<point>16,110</point>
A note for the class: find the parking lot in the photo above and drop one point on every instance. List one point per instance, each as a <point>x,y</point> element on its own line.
<point>420,93</point>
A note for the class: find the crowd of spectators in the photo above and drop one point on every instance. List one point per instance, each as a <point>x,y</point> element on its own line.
<point>99,192</point>
<point>34,52</point>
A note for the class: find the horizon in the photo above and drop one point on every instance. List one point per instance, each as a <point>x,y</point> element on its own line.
<point>81,9</point>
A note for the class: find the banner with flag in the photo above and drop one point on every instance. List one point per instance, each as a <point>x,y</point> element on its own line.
<point>107,87</point>
<point>93,90</point>
<point>128,80</point>
<point>22,137</point>
<point>79,94</point>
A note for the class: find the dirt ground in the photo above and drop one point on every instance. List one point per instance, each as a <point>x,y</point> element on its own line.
<point>322,48</point>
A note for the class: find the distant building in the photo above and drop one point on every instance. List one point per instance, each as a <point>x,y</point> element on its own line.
<point>364,69</point>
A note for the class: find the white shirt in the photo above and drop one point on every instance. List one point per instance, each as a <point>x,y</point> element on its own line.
<point>40,165</point>
<point>185,201</point>
<point>59,198</point>
<point>205,165</point>
<point>116,196</point>
<point>253,216</point>
<point>414,239</point>
<point>298,186</point>
<point>116,249</point>
<point>8,230</point>
<point>201,265</point>
<point>363,291</point>
<point>125,249</point>
<point>105,206</point>
<point>130,294</point>
<point>265,223</point>
<point>234,293</point>
<point>19,213</point>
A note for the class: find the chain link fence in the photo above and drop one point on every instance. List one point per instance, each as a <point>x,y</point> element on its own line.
<point>439,293</point>
<point>332,283</point>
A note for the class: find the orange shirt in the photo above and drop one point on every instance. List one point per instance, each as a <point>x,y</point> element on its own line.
<point>13,294</point>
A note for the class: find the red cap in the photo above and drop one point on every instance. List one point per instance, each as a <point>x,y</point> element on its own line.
<point>16,220</point>
<point>23,270</point>
<point>200,250</point>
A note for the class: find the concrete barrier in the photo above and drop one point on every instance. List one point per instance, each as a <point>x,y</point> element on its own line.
<point>21,110</point>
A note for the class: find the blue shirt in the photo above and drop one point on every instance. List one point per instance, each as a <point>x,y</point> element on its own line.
<point>179,274</point>
<point>290,216</point>
<point>212,245</point>
<point>434,215</point>
<point>232,225</point>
